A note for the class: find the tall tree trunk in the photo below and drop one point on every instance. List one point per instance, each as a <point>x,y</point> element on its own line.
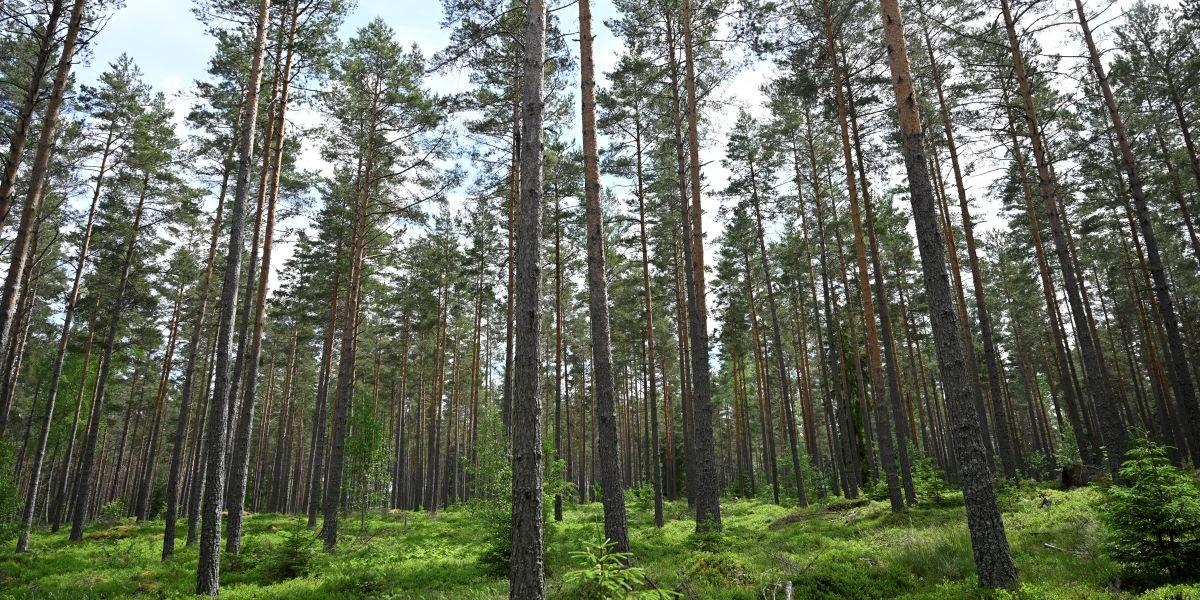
<point>883,437</point>
<point>615,527</point>
<point>1004,437</point>
<point>240,465</point>
<point>777,340</point>
<point>344,392</point>
<point>708,493</point>
<point>993,561</point>
<point>189,372</point>
<point>1113,430</point>
<point>527,576</point>
<point>1177,364</point>
<point>685,379</point>
<point>316,473</point>
<point>892,372</point>
<point>83,491</point>
<point>1047,284</point>
<point>208,570</point>
<point>64,472</point>
<point>23,245</point>
<point>648,299</point>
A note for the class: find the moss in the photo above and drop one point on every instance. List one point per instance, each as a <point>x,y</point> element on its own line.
<point>835,549</point>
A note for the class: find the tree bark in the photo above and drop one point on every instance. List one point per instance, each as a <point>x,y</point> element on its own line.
<point>83,491</point>
<point>240,464</point>
<point>1177,364</point>
<point>189,372</point>
<point>527,574</point>
<point>993,561</point>
<point>22,246</point>
<point>208,570</point>
<point>708,493</point>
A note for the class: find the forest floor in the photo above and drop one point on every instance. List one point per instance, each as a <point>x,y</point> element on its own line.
<point>838,549</point>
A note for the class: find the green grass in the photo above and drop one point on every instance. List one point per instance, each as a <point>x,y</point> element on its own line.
<point>833,550</point>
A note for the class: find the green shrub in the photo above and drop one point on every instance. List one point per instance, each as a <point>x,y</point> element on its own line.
<point>493,510</point>
<point>929,481</point>
<point>10,502</point>
<point>640,498</point>
<point>603,575</point>
<point>496,557</point>
<point>718,570</point>
<point>114,512</point>
<point>1153,517</point>
<point>1173,592</point>
<point>707,540</point>
<point>293,557</point>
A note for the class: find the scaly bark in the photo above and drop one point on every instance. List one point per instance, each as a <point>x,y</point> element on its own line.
<point>993,561</point>
<point>527,575</point>
<point>208,570</point>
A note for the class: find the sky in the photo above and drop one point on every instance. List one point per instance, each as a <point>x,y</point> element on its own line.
<point>170,46</point>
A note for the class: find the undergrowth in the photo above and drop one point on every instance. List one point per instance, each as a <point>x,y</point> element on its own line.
<point>831,549</point>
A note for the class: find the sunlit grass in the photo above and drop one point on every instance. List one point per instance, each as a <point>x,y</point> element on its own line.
<point>829,550</point>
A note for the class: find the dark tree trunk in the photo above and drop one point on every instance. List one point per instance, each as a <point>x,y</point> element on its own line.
<point>208,570</point>
<point>83,490</point>
<point>26,235</point>
<point>707,476</point>
<point>527,576</point>
<point>993,562</point>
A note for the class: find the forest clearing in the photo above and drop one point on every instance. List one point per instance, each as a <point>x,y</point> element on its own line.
<point>600,299</point>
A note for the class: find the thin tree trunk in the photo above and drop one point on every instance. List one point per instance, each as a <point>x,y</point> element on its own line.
<point>25,241</point>
<point>84,490</point>
<point>59,360</point>
<point>1114,431</point>
<point>208,570</point>
<point>1177,364</point>
<point>648,298</point>
<point>146,489</point>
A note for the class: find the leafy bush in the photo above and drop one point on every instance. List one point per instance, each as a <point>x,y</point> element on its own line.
<point>1173,592</point>
<point>112,513</point>
<point>9,494</point>
<point>929,481</point>
<point>293,557</point>
<point>603,575</point>
<point>493,509</point>
<point>1153,517</point>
